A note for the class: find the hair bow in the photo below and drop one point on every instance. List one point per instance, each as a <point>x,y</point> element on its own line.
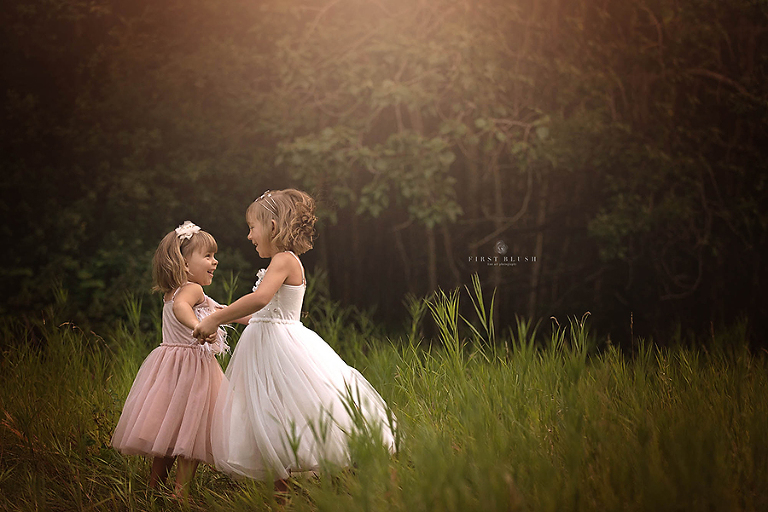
<point>186,230</point>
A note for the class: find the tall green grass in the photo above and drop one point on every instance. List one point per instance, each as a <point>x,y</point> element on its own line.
<point>486,421</point>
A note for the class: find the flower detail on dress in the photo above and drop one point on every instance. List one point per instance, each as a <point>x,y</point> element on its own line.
<point>219,346</point>
<point>259,277</point>
<point>186,230</point>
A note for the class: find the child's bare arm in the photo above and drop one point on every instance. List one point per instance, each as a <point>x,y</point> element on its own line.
<point>242,320</point>
<point>188,297</point>
<point>248,304</point>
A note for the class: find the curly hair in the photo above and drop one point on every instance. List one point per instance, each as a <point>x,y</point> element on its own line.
<point>294,214</point>
<point>169,268</point>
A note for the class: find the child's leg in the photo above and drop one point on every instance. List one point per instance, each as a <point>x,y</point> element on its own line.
<point>161,466</point>
<point>185,472</point>
<point>281,485</point>
<point>281,491</point>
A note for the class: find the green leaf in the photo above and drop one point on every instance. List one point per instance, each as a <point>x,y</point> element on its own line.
<point>447,158</point>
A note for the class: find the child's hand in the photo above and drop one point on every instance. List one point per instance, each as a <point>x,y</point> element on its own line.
<point>209,339</point>
<point>205,329</point>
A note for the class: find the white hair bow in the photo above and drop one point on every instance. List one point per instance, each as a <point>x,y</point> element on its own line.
<point>186,230</point>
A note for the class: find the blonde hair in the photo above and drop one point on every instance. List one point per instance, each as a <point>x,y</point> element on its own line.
<point>294,214</point>
<point>169,266</point>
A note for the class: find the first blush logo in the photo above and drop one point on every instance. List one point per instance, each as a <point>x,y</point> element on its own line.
<point>501,258</point>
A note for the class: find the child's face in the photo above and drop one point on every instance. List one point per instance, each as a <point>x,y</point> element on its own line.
<point>259,235</point>
<point>200,266</point>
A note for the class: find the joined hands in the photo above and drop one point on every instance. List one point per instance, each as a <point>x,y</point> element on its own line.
<point>210,339</point>
<point>205,330</point>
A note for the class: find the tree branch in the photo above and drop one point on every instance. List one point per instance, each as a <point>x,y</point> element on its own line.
<point>523,210</point>
<point>724,79</point>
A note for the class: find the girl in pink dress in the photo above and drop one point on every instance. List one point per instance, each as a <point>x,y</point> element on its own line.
<point>169,410</point>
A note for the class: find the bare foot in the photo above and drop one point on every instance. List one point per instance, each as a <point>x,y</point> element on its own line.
<point>282,493</point>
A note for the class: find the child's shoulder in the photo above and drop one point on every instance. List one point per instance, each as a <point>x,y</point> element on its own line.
<point>192,293</point>
<point>288,266</point>
<point>285,256</point>
<point>285,260</point>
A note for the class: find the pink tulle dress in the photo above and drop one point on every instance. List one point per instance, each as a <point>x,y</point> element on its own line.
<point>170,407</point>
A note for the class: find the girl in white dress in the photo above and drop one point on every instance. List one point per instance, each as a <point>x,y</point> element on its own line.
<point>290,400</point>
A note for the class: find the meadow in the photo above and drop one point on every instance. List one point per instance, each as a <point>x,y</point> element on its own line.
<point>517,420</point>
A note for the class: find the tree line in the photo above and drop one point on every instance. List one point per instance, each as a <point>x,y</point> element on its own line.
<point>612,150</point>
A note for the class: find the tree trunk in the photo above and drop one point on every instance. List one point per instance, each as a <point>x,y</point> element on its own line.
<point>401,250</point>
<point>538,249</point>
<point>355,275</point>
<point>473,185</point>
<point>431,259</point>
<point>449,255</point>
<point>498,223</point>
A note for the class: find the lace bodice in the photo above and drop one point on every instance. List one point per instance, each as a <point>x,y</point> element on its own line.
<point>285,306</point>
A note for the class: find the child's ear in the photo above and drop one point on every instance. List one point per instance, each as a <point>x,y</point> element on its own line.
<point>274,226</point>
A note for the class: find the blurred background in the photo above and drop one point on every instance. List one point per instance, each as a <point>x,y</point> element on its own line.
<point>607,156</point>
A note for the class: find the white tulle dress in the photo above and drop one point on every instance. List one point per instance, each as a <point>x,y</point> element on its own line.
<point>285,404</point>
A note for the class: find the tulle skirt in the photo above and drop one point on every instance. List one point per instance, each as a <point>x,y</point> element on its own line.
<point>289,404</point>
<point>169,410</point>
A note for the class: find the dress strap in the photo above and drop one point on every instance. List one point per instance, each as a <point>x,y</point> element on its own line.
<point>173,297</point>
<point>303,280</point>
